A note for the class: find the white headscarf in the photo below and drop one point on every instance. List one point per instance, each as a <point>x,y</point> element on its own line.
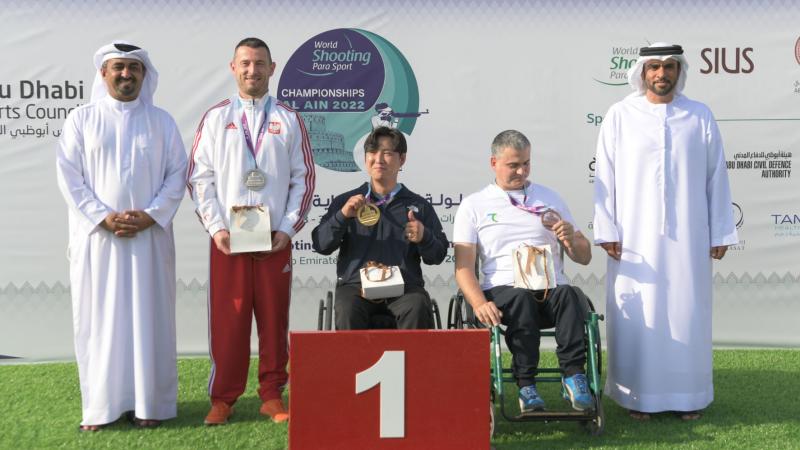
<point>635,72</point>
<point>123,49</point>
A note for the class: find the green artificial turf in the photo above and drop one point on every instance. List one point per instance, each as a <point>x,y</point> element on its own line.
<point>756,406</point>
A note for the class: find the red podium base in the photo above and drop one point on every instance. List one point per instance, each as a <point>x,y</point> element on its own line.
<point>360,390</point>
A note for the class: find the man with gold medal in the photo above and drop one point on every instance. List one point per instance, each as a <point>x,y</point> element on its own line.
<point>381,221</point>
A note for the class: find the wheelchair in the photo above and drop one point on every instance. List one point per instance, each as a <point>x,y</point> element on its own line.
<point>460,315</point>
<point>376,322</point>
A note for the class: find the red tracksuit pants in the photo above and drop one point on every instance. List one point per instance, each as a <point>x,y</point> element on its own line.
<point>241,286</point>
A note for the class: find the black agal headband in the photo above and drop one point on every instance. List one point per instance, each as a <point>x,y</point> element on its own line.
<point>661,51</point>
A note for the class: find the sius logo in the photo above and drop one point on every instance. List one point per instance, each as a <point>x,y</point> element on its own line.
<point>591,169</point>
<point>737,60</point>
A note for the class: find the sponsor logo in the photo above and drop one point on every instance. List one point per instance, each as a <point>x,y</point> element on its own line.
<point>492,217</point>
<point>274,128</point>
<point>594,119</point>
<point>797,50</point>
<point>591,169</point>
<point>230,126</point>
<point>736,60</point>
<point>345,82</point>
<point>738,215</point>
<point>616,64</point>
<point>774,165</point>
<point>786,224</point>
<point>796,87</point>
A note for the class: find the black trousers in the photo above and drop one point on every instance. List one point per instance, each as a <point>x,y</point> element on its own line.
<point>411,311</point>
<point>524,316</point>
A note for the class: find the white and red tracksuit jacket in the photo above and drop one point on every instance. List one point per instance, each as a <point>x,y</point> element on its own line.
<point>220,159</point>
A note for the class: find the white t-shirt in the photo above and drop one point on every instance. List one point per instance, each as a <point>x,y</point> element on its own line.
<point>489,219</point>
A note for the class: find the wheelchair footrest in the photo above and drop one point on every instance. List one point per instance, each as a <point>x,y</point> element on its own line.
<point>556,415</point>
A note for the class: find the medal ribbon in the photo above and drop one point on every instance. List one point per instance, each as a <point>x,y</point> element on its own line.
<point>248,138</point>
<point>384,200</point>
<point>537,210</point>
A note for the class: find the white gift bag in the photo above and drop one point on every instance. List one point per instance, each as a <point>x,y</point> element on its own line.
<point>533,268</point>
<point>250,229</point>
<point>381,281</point>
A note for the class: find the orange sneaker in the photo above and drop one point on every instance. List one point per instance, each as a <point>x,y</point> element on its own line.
<point>275,410</point>
<point>219,413</point>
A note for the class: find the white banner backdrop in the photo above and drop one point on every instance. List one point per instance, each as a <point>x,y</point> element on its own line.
<point>453,76</point>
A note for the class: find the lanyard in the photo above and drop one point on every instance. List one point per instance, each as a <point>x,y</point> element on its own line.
<point>248,139</point>
<point>384,200</point>
<point>537,210</point>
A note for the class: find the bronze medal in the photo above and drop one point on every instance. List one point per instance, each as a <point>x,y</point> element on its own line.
<point>368,215</point>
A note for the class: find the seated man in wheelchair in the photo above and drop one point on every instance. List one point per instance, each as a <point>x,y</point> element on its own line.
<point>382,222</point>
<point>510,223</point>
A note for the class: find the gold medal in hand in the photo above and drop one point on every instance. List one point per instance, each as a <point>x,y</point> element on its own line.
<point>368,215</point>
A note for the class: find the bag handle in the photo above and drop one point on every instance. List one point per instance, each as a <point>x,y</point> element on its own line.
<point>385,271</point>
<point>533,254</point>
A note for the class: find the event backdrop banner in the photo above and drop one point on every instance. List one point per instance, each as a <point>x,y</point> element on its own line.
<point>450,75</point>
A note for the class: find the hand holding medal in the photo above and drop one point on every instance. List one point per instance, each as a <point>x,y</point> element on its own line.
<point>563,230</point>
<point>549,218</point>
<point>353,205</point>
<point>366,213</point>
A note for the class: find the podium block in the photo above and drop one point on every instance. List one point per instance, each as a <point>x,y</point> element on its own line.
<point>381,389</point>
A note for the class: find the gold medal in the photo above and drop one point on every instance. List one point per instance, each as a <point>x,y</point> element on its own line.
<point>368,215</point>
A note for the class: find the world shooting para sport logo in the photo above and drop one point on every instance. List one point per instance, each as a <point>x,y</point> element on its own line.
<point>344,83</point>
<point>619,60</point>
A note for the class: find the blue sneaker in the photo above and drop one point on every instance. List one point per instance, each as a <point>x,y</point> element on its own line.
<point>529,400</point>
<point>576,391</point>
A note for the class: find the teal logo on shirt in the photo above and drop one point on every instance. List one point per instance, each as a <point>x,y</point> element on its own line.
<point>493,217</point>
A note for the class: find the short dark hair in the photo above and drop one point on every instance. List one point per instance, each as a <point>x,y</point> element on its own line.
<point>398,140</point>
<point>253,42</point>
<point>509,139</point>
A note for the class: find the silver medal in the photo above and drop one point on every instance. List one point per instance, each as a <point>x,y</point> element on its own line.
<point>255,180</point>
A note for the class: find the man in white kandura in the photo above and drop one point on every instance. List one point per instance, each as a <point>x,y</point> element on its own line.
<point>121,165</point>
<point>662,212</point>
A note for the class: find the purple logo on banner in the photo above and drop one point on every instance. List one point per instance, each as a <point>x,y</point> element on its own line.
<point>344,83</point>
<point>335,71</point>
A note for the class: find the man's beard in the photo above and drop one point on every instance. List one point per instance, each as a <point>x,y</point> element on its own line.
<point>661,91</point>
<point>127,88</point>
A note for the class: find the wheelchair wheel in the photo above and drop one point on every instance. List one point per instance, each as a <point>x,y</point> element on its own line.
<point>452,312</point>
<point>321,315</point>
<point>598,350</point>
<point>437,318</point>
<point>459,314</point>
<point>329,311</point>
<point>491,419</point>
<point>597,425</point>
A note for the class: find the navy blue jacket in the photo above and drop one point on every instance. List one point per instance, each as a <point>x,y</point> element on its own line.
<point>384,242</point>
